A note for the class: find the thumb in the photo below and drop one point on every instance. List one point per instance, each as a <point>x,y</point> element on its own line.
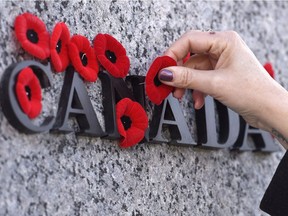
<point>184,77</point>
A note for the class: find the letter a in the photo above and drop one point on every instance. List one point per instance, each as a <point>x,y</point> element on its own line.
<point>75,102</point>
<point>169,114</point>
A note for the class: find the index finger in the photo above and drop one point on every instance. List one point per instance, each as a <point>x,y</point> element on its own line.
<point>195,41</point>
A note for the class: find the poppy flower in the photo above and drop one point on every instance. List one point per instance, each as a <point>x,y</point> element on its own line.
<point>111,55</point>
<point>268,67</point>
<point>32,34</point>
<point>187,57</point>
<point>59,47</point>
<point>83,58</point>
<point>132,121</point>
<point>155,90</point>
<point>28,92</point>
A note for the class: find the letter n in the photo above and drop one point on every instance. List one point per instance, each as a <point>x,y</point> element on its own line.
<point>113,90</point>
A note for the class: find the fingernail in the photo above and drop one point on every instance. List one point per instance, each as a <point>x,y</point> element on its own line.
<point>166,75</point>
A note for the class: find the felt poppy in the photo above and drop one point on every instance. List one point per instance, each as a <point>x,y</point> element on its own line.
<point>187,57</point>
<point>111,55</point>
<point>155,90</point>
<point>60,38</point>
<point>132,121</point>
<point>83,58</point>
<point>28,92</point>
<point>32,34</point>
<point>268,67</point>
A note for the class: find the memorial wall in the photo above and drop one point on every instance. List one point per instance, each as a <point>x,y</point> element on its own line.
<point>82,128</point>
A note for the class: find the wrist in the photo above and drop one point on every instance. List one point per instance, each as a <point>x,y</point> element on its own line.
<point>275,112</point>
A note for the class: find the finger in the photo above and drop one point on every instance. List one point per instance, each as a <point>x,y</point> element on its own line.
<point>197,62</point>
<point>200,62</point>
<point>212,43</point>
<point>184,77</point>
<point>178,93</point>
<point>198,98</point>
<point>180,63</point>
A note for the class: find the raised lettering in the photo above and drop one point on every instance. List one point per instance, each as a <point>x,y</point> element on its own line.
<point>9,102</point>
<point>169,115</point>
<point>75,102</point>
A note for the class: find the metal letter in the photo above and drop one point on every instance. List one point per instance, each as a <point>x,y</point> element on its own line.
<point>169,114</point>
<point>113,90</point>
<point>228,125</point>
<point>137,83</point>
<point>75,102</point>
<point>9,102</point>
<point>251,139</point>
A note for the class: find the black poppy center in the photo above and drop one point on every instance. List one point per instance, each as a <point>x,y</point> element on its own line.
<point>59,46</point>
<point>157,81</point>
<point>32,36</point>
<point>111,56</point>
<point>126,121</point>
<point>28,92</point>
<point>83,58</point>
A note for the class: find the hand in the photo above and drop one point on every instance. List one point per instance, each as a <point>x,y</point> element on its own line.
<point>225,68</point>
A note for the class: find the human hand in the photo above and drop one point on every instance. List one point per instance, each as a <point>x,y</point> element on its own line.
<point>225,68</point>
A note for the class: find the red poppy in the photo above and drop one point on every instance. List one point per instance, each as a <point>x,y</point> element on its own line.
<point>28,92</point>
<point>155,90</point>
<point>32,34</point>
<point>83,58</point>
<point>268,67</point>
<point>187,57</point>
<point>132,121</point>
<point>111,55</point>
<point>59,47</point>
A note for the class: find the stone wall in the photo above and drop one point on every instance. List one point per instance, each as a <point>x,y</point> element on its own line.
<point>64,174</point>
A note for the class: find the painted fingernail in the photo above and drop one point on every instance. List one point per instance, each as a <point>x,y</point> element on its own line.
<point>166,75</point>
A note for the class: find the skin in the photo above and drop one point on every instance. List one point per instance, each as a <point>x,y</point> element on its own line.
<point>225,68</point>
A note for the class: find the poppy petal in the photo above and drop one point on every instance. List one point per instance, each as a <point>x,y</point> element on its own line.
<point>83,58</point>
<point>111,55</point>
<point>186,58</point>
<point>32,34</point>
<point>28,92</point>
<point>137,116</point>
<point>132,138</point>
<point>60,38</point>
<point>157,92</point>
<point>268,67</point>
